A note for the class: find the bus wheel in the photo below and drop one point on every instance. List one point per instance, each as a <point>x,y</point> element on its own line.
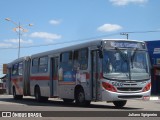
<point>68,100</point>
<point>80,98</point>
<point>119,104</point>
<point>15,96</point>
<point>38,94</point>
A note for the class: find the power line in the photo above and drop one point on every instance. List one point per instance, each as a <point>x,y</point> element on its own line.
<point>142,31</point>
<point>85,39</point>
<point>80,40</point>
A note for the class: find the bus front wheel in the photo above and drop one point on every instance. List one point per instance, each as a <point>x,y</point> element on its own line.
<point>80,98</point>
<point>120,104</point>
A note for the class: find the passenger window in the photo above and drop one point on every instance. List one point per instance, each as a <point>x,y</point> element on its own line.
<point>15,70</point>
<point>81,59</point>
<point>66,61</point>
<point>66,57</point>
<point>20,68</point>
<point>76,60</point>
<point>35,65</point>
<point>43,65</point>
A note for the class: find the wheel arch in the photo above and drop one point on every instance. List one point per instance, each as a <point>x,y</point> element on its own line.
<point>13,88</point>
<point>77,88</point>
<point>36,87</point>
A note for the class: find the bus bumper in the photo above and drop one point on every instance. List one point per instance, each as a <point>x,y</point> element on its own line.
<point>115,96</point>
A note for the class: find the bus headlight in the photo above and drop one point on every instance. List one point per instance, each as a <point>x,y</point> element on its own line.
<point>147,87</point>
<point>109,87</point>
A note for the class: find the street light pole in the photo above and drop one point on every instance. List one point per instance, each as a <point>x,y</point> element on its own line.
<point>19,40</point>
<point>20,28</point>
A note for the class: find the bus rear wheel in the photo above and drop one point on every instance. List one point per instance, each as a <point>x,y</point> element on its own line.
<point>80,98</point>
<point>120,104</point>
<point>15,96</point>
<point>38,94</point>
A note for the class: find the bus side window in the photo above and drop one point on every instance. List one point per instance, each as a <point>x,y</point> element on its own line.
<point>43,64</point>
<point>66,57</point>
<point>66,60</point>
<point>15,70</point>
<point>83,58</point>
<point>35,62</point>
<point>20,68</point>
<point>76,60</point>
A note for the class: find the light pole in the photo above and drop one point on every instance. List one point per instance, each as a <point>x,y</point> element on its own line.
<point>125,34</point>
<point>19,31</point>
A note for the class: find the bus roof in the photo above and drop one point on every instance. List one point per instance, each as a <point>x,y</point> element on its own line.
<point>78,46</point>
<point>69,48</point>
<point>18,60</point>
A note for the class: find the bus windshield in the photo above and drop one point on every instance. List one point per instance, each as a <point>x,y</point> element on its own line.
<point>125,64</point>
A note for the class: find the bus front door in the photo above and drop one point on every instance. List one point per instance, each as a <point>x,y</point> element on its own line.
<point>54,77</point>
<point>95,71</point>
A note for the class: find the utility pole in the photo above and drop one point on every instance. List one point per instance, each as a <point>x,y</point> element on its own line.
<point>125,34</point>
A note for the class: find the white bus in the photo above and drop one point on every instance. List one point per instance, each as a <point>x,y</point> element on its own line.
<point>100,70</point>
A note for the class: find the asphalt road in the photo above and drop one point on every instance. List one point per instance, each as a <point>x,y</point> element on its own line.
<point>7,103</point>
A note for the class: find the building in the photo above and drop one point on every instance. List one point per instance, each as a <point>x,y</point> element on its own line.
<point>154,53</point>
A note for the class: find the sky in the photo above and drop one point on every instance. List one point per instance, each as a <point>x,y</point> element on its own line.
<point>49,24</point>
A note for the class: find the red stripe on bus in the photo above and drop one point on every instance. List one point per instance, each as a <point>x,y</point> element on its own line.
<point>55,78</point>
<point>39,78</point>
<point>17,79</point>
<point>87,76</point>
<point>67,83</point>
<point>98,75</point>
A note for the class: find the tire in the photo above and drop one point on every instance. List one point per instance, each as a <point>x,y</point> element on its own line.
<point>80,98</point>
<point>15,96</point>
<point>38,95</point>
<point>120,104</point>
<point>68,100</point>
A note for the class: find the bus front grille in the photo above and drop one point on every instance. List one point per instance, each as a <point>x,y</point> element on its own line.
<point>130,96</point>
<point>127,89</point>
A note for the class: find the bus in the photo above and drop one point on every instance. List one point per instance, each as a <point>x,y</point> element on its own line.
<point>112,70</point>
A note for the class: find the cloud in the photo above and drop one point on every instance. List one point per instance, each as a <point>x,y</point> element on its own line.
<point>17,41</point>
<point>109,28</point>
<point>55,22</point>
<point>49,37</point>
<point>126,2</point>
<point>5,45</point>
